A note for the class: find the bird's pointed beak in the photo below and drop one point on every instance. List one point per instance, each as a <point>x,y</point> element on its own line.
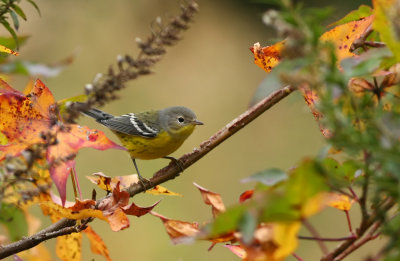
<point>197,122</point>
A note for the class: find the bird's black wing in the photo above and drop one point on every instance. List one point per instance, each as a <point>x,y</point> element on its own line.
<point>130,124</point>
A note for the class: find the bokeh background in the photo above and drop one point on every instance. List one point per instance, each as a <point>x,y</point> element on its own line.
<point>211,71</point>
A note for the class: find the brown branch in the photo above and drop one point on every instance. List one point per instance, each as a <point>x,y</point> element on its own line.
<point>61,228</point>
<point>348,245</point>
<point>172,170</point>
<point>67,226</point>
<point>327,239</point>
<point>371,235</point>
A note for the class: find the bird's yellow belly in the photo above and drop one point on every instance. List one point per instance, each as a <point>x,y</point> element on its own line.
<point>149,148</point>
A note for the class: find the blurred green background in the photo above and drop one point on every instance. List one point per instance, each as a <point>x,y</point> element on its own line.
<point>211,71</point>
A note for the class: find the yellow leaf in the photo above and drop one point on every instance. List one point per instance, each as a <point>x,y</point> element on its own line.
<point>344,35</point>
<point>69,213</point>
<point>340,201</point>
<point>4,49</point>
<point>69,247</point>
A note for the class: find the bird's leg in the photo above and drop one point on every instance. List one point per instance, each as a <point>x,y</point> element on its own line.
<point>141,179</point>
<point>176,161</point>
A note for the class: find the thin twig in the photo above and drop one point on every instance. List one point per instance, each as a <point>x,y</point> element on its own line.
<point>317,237</point>
<point>371,235</point>
<point>297,257</point>
<point>327,239</point>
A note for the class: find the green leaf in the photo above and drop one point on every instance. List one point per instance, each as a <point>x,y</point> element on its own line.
<point>228,221</point>
<point>291,201</point>
<point>10,43</point>
<point>35,5</point>
<point>19,11</point>
<point>269,177</point>
<point>366,63</point>
<point>14,18</point>
<point>384,23</point>
<point>11,31</point>
<point>14,219</point>
<point>361,12</point>
<point>247,226</point>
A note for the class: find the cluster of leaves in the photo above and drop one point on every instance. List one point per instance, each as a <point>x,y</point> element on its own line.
<point>349,79</point>
<point>10,9</point>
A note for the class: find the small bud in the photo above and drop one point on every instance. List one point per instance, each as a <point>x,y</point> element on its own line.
<point>158,20</point>
<point>120,58</point>
<point>89,87</point>
<point>97,77</point>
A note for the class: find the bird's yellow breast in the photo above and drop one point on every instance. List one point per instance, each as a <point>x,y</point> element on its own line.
<point>152,148</point>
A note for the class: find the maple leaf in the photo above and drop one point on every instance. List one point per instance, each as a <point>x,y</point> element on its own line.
<point>27,116</point>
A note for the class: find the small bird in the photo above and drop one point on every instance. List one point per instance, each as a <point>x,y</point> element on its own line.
<point>150,134</point>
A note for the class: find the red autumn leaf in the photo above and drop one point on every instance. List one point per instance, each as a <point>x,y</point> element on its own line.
<point>178,231</point>
<point>248,194</point>
<point>134,210</point>
<point>213,199</point>
<point>26,116</point>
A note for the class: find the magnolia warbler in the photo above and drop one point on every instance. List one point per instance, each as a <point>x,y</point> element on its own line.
<point>151,134</point>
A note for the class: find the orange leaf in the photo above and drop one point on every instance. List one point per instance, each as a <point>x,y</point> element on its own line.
<point>178,231</point>
<point>97,244</point>
<point>213,199</point>
<point>267,57</point>
<point>248,194</point>
<point>344,35</point>
<point>340,201</point>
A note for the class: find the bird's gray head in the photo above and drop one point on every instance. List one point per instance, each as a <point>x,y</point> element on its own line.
<point>174,119</point>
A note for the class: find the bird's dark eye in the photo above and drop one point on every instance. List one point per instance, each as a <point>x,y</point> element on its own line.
<point>181,119</point>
